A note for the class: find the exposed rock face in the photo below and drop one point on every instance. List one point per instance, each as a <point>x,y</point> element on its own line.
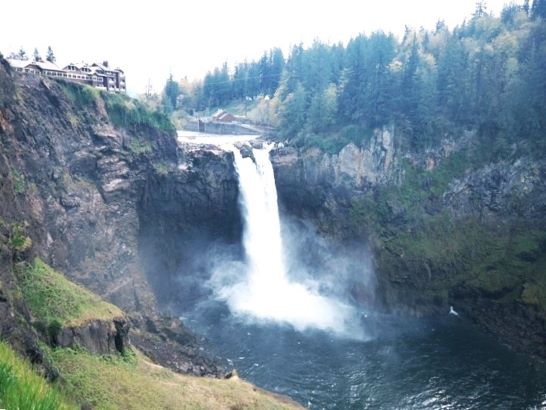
<point>80,186</point>
<point>353,168</point>
<point>442,233</point>
<point>79,181</point>
<point>499,190</point>
<point>167,342</point>
<point>97,336</point>
<point>320,186</point>
<point>184,214</point>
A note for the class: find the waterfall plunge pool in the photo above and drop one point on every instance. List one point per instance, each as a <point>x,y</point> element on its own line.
<point>314,348</point>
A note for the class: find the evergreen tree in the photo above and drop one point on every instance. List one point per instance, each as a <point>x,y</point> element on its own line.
<point>322,110</point>
<point>50,56</point>
<point>36,55</point>
<point>293,112</point>
<point>171,91</point>
<point>22,54</point>
<point>538,10</point>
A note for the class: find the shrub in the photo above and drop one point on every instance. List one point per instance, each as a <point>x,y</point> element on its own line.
<point>18,241</point>
<point>19,182</point>
<point>131,114</point>
<point>140,147</point>
<point>80,94</point>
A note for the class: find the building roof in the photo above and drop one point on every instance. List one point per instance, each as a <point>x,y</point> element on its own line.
<point>44,65</point>
<point>18,63</point>
<point>48,65</point>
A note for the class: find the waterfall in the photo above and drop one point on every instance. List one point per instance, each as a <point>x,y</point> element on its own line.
<point>264,291</point>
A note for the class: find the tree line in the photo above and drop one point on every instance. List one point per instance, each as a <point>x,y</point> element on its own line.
<point>488,74</point>
<point>36,56</point>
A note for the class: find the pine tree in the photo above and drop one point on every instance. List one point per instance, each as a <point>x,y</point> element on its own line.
<point>22,54</point>
<point>293,112</point>
<point>36,55</point>
<point>170,95</point>
<point>538,10</point>
<point>49,55</point>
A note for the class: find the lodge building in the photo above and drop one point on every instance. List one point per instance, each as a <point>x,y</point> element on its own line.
<point>96,75</point>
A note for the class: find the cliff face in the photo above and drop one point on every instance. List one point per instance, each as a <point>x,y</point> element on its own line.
<point>446,227</point>
<point>74,180</point>
<point>184,215</point>
<point>86,180</point>
<point>103,193</point>
<point>321,186</point>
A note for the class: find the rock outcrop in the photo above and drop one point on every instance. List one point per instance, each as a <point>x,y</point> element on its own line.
<point>444,227</point>
<point>78,171</point>
<point>97,336</point>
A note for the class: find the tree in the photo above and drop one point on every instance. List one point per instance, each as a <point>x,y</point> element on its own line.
<point>538,10</point>
<point>50,56</point>
<point>481,9</point>
<point>322,111</point>
<point>170,94</point>
<point>36,55</point>
<point>293,111</point>
<point>22,54</point>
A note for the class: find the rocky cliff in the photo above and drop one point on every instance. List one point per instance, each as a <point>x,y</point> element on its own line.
<point>97,186</point>
<point>450,226</point>
<point>82,175</point>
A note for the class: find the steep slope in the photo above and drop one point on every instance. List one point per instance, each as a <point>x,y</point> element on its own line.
<point>73,177</point>
<point>75,165</point>
<point>449,226</point>
<point>85,343</point>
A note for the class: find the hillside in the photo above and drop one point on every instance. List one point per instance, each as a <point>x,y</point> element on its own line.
<point>77,167</point>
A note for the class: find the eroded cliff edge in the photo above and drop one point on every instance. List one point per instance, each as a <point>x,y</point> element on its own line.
<point>446,226</point>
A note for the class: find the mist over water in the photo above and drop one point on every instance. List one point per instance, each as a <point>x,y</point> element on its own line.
<point>286,277</point>
<point>261,288</point>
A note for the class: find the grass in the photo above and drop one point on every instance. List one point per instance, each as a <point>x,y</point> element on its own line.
<point>55,301</point>
<point>80,94</point>
<point>131,114</point>
<point>107,382</point>
<point>22,388</point>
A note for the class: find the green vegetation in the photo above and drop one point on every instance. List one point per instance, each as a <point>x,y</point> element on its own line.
<point>162,168</point>
<point>19,182</point>
<point>125,112</point>
<point>114,382</point>
<point>18,241</point>
<point>55,302</point>
<point>484,75</point>
<point>170,95</point>
<point>81,95</point>
<point>22,388</point>
<point>138,146</point>
<point>442,252</point>
<point>336,141</point>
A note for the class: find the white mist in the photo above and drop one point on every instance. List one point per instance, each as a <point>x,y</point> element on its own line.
<point>264,290</point>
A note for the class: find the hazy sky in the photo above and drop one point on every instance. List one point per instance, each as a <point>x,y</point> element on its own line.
<point>150,39</point>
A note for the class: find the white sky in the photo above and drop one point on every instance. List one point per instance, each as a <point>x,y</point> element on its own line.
<point>150,39</point>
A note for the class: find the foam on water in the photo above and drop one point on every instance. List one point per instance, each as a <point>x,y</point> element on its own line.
<point>264,290</point>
